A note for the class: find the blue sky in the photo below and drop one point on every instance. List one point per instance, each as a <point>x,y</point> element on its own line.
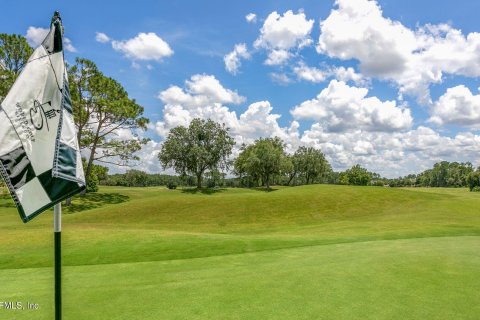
<point>392,85</point>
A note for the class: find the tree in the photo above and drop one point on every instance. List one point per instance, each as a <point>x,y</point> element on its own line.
<point>97,174</point>
<point>261,160</point>
<point>14,54</point>
<point>310,163</point>
<point>136,178</point>
<point>102,110</point>
<point>473,180</point>
<point>202,147</point>
<point>357,176</point>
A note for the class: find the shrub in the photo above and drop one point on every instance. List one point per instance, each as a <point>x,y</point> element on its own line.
<point>171,185</point>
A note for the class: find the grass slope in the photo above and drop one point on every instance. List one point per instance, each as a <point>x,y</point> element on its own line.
<point>313,252</point>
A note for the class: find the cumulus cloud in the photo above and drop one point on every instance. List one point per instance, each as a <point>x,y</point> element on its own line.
<point>342,107</point>
<point>145,46</point>
<point>317,75</point>
<point>311,74</point>
<point>348,74</point>
<point>280,78</point>
<point>457,106</point>
<point>251,18</point>
<point>348,127</point>
<point>233,59</point>
<point>413,59</point>
<point>35,37</point>
<point>391,154</point>
<point>282,33</point>
<point>204,97</point>
<point>101,37</point>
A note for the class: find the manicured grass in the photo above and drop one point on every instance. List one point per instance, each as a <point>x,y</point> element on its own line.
<point>312,252</point>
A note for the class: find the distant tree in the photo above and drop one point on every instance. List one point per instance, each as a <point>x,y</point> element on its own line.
<point>102,110</point>
<point>14,54</point>
<point>288,168</point>
<point>136,178</point>
<point>473,180</point>
<point>358,176</point>
<point>310,163</point>
<point>202,147</point>
<point>261,160</point>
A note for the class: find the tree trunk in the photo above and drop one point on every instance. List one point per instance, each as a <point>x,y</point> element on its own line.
<point>291,178</point>
<point>267,178</point>
<point>199,180</point>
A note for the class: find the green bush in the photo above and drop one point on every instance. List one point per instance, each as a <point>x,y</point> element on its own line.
<point>475,189</point>
<point>171,185</point>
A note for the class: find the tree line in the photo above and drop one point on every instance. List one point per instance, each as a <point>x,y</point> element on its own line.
<point>443,174</point>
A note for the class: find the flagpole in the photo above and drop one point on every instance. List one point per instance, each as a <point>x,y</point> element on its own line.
<point>57,231</point>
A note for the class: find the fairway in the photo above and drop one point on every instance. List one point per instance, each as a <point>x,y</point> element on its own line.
<point>311,252</point>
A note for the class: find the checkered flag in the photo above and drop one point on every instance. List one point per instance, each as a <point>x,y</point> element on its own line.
<point>39,155</point>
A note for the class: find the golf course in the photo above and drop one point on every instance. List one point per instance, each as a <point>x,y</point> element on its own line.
<point>310,252</point>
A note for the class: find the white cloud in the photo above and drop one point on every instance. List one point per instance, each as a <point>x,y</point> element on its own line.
<point>316,75</point>
<point>280,78</point>
<point>277,57</point>
<point>413,59</point>
<point>311,74</point>
<point>35,37</point>
<point>204,97</point>
<point>251,18</point>
<point>391,154</point>
<point>341,107</point>
<point>457,106</point>
<point>145,46</point>
<point>67,43</point>
<point>102,37</point>
<point>349,74</point>
<point>233,59</point>
<point>374,133</point>
<point>280,34</point>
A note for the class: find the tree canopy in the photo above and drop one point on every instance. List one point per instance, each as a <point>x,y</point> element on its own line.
<point>261,160</point>
<point>14,54</point>
<point>204,146</point>
<point>104,112</point>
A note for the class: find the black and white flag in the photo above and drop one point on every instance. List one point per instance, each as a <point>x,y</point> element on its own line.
<point>39,155</point>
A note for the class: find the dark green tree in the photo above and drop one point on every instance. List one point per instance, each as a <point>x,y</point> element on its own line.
<point>136,178</point>
<point>357,176</point>
<point>310,163</point>
<point>202,147</point>
<point>473,180</point>
<point>14,54</point>
<point>261,160</point>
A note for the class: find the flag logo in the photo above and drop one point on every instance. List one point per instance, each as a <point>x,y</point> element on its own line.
<point>40,159</point>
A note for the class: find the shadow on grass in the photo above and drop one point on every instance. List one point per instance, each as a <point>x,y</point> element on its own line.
<point>203,190</point>
<point>93,201</point>
<point>6,201</point>
<point>264,189</point>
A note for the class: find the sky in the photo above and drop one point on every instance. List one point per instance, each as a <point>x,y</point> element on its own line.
<point>390,85</point>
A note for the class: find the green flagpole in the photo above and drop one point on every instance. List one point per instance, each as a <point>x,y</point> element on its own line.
<point>57,231</point>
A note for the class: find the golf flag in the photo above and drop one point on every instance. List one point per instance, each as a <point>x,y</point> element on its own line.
<point>39,155</point>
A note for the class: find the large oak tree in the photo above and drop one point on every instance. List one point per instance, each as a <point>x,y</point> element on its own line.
<point>204,146</point>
